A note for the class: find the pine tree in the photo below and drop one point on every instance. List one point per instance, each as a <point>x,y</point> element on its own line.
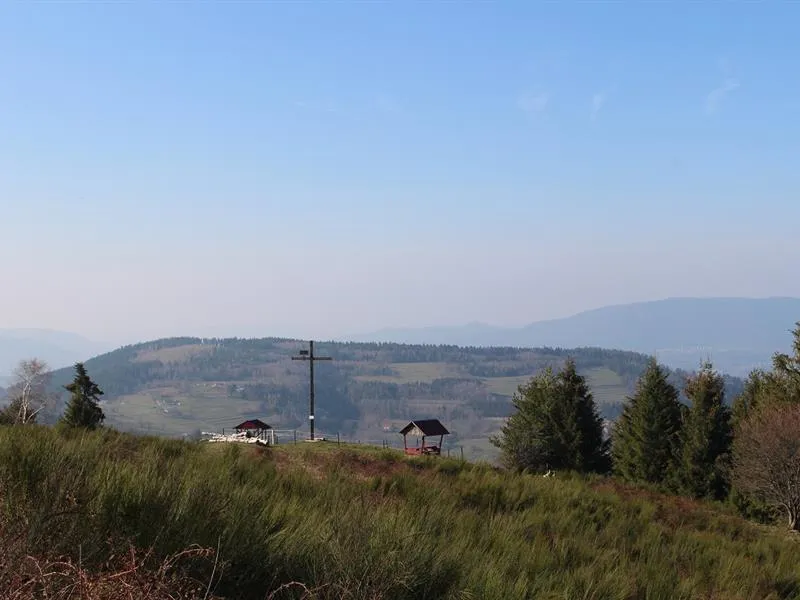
<point>767,388</point>
<point>523,439</point>
<point>785,375</point>
<point>645,438</point>
<point>593,448</point>
<point>555,425</point>
<point>756,388</point>
<point>706,437</point>
<point>83,409</point>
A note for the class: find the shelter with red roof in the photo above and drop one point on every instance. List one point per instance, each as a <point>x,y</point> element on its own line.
<point>422,428</point>
<point>253,428</point>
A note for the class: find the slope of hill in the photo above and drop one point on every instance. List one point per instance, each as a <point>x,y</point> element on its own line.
<point>355,524</point>
<point>181,385</point>
<point>738,334</point>
<point>57,348</point>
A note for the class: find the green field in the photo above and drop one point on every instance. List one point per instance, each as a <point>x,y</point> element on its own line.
<point>172,412</point>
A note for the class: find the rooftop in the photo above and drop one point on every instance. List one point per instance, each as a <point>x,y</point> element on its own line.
<point>253,424</point>
<point>426,427</point>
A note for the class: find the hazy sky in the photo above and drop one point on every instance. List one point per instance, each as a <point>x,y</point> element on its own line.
<point>316,169</point>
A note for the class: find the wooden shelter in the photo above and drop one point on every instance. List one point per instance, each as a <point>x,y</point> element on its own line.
<point>422,429</point>
<point>255,428</point>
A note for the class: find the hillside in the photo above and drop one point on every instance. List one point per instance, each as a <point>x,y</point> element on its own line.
<point>738,333</point>
<point>123,514</point>
<point>183,385</point>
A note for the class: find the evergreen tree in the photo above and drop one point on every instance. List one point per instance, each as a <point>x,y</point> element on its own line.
<point>645,438</point>
<point>83,409</point>
<point>593,448</point>
<point>756,387</point>
<point>785,376</point>
<point>522,439</point>
<point>765,389</point>
<point>555,425</point>
<point>706,437</point>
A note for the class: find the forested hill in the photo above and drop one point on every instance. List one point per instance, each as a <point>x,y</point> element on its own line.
<point>179,385</point>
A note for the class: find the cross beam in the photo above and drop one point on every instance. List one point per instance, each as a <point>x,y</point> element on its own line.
<point>311,358</point>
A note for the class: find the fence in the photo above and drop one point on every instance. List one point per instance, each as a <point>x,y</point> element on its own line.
<point>390,441</point>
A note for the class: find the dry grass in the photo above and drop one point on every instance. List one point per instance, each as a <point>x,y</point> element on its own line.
<point>132,576</point>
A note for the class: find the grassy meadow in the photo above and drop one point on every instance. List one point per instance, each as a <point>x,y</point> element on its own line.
<point>322,521</point>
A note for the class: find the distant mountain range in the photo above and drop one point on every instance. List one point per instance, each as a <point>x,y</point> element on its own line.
<point>737,334</point>
<point>57,348</point>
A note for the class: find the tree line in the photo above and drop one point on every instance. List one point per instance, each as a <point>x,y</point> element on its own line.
<point>30,397</point>
<point>746,452</point>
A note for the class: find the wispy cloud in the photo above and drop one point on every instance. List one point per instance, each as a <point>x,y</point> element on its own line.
<point>533,104</point>
<point>598,99</point>
<point>717,95</point>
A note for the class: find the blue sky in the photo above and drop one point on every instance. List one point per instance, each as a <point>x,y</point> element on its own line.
<point>315,169</point>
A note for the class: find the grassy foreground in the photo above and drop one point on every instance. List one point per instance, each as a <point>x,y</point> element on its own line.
<point>107,509</point>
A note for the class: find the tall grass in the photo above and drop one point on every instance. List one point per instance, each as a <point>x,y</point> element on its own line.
<point>373,525</point>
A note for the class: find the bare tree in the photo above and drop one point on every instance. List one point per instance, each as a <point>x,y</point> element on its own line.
<point>766,458</point>
<point>29,390</point>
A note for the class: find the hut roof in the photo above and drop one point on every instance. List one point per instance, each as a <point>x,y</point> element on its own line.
<point>253,424</point>
<point>427,427</point>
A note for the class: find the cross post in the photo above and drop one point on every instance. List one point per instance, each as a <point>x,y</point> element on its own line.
<point>311,358</point>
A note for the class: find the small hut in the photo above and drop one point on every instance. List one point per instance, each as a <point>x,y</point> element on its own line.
<point>255,428</point>
<point>422,429</point>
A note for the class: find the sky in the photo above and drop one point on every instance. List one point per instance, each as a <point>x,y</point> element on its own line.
<point>315,169</point>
